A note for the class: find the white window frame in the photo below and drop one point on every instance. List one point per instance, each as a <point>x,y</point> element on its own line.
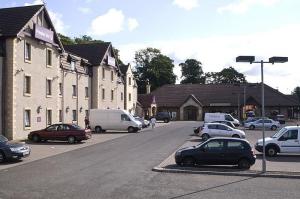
<point>26,86</point>
<point>60,116</point>
<point>47,57</point>
<point>49,110</point>
<point>49,87</point>
<point>72,65</point>
<point>74,116</point>
<point>103,93</point>
<point>112,95</point>
<point>27,124</point>
<point>112,76</point>
<point>74,91</point>
<point>129,97</point>
<point>129,81</point>
<point>27,52</point>
<point>60,89</point>
<point>86,92</point>
<point>103,73</point>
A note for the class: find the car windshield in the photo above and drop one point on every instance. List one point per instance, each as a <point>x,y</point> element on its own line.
<point>3,139</point>
<point>279,133</point>
<point>76,127</point>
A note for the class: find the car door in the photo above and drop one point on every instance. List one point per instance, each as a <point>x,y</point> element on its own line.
<point>50,132</point>
<point>212,130</point>
<point>233,151</point>
<point>289,141</point>
<point>258,123</point>
<point>212,153</point>
<point>125,122</point>
<point>62,131</point>
<point>223,131</point>
<point>268,124</point>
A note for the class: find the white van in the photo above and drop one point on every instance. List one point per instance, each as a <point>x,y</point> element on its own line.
<point>212,117</point>
<point>287,140</point>
<point>110,119</point>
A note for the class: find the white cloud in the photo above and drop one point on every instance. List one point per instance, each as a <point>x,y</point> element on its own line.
<point>219,52</point>
<point>242,6</point>
<point>58,23</point>
<point>132,24</point>
<point>35,2</point>
<point>186,4</point>
<point>84,10</point>
<point>113,21</point>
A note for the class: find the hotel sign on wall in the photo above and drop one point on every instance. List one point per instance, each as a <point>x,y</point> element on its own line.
<point>43,34</point>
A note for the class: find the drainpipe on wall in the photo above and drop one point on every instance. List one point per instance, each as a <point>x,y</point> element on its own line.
<point>77,109</point>
<point>2,85</point>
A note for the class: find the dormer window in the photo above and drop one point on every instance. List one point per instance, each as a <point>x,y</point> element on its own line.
<point>72,65</point>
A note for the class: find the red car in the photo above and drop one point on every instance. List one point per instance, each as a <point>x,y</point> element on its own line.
<point>62,132</point>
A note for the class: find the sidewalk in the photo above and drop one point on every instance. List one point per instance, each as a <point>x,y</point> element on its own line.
<point>51,148</point>
<point>282,166</point>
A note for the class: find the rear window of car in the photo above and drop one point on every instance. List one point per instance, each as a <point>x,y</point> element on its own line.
<point>237,145</point>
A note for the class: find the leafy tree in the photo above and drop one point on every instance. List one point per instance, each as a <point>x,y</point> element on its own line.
<point>225,76</point>
<point>65,40</point>
<point>154,66</point>
<point>296,92</point>
<point>192,72</point>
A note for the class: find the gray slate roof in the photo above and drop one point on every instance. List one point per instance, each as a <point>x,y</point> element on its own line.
<point>12,20</point>
<point>94,52</point>
<point>124,68</point>
<point>206,94</point>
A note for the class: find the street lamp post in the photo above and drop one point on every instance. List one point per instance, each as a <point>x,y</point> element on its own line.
<point>272,60</point>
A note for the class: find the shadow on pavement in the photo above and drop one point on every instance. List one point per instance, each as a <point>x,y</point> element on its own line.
<point>221,168</point>
<point>281,158</point>
<point>52,143</point>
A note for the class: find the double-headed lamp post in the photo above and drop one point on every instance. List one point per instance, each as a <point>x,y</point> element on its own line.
<point>272,60</point>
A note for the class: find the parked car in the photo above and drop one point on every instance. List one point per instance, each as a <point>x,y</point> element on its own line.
<point>210,117</point>
<point>113,119</point>
<point>210,130</point>
<point>287,140</point>
<point>225,122</point>
<point>217,151</point>
<point>145,123</point>
<point>62,132</point>
<point>163,116</point>
<point>12,150</point>
<point>269,124</point>
<point>280,119</point>
<point>250,119</point>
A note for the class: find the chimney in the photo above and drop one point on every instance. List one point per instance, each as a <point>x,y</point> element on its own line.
<point>147,86</point>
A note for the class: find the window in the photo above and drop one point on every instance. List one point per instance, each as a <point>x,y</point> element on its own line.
<point>289,135</point>
<point>49,57</point>
<point>129,81</point>
<point>103,73</point>
<point>103,93</point>
<point>60,115</point>
<point>60,88</point>
<point>27,51</point>
<point>228,118</point>
<point>74,93</point>
<point>129,96</point>
<point>212,126</point>
<point>214,146</point>
<point>122,96</point>
<point>27,118</point>
<point>125,117</point>
<point>112,95</point>
<point>234,145</point>
<point>74,115</point>
<point>27,84</point>
<point>49,87</point>
<point>72,65</point>
<point>52,128</point>
<point>87,113</point>
<point>112,75</point>
<point>222,127</point>
<point>49,117</point>
<point>86,92</point>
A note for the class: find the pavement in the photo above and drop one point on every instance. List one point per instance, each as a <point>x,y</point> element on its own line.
<point>281,166</point>
<point>47,149</point>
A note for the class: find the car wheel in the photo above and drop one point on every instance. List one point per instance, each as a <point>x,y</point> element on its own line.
<point>273,128</point>
<point>244,164</point>
<point>98,129</point>
<point>36,138</point>
<point>188,161</point>
<point>271,151</point>
<point>205,137</point>
<point>236,136</point>
<point>71,139</point>
<point>2,157</point>
<point>131,129</point>
<point>166,120</point>
<point>252,127</point>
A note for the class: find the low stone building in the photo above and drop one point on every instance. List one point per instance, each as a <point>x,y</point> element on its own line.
<point>192,101</point>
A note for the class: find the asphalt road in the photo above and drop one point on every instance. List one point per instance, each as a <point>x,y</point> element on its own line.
<point>121,168</point>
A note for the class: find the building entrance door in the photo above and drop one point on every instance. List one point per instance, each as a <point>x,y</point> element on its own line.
<point>190,113</point>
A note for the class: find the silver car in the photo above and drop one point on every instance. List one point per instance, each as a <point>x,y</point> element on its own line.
<point>269,124</point>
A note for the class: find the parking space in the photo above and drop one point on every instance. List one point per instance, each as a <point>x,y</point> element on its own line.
<point>42,150</point>
<point>280,163</point>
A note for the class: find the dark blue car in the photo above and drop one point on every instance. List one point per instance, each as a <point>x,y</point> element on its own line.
<point>217,151</point>
<point>12,150</point>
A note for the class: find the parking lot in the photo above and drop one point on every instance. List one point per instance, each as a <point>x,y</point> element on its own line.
<point>281,163</point>
<point>47,149</point>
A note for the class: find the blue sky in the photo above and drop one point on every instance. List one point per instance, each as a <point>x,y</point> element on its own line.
<point>214,32</point>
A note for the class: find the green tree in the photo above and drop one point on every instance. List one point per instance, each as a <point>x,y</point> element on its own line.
<point>65,40</point>
<point>225,76</point>
<point>192,72</point>
<point>154,66</point>
<point>296,92</point>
